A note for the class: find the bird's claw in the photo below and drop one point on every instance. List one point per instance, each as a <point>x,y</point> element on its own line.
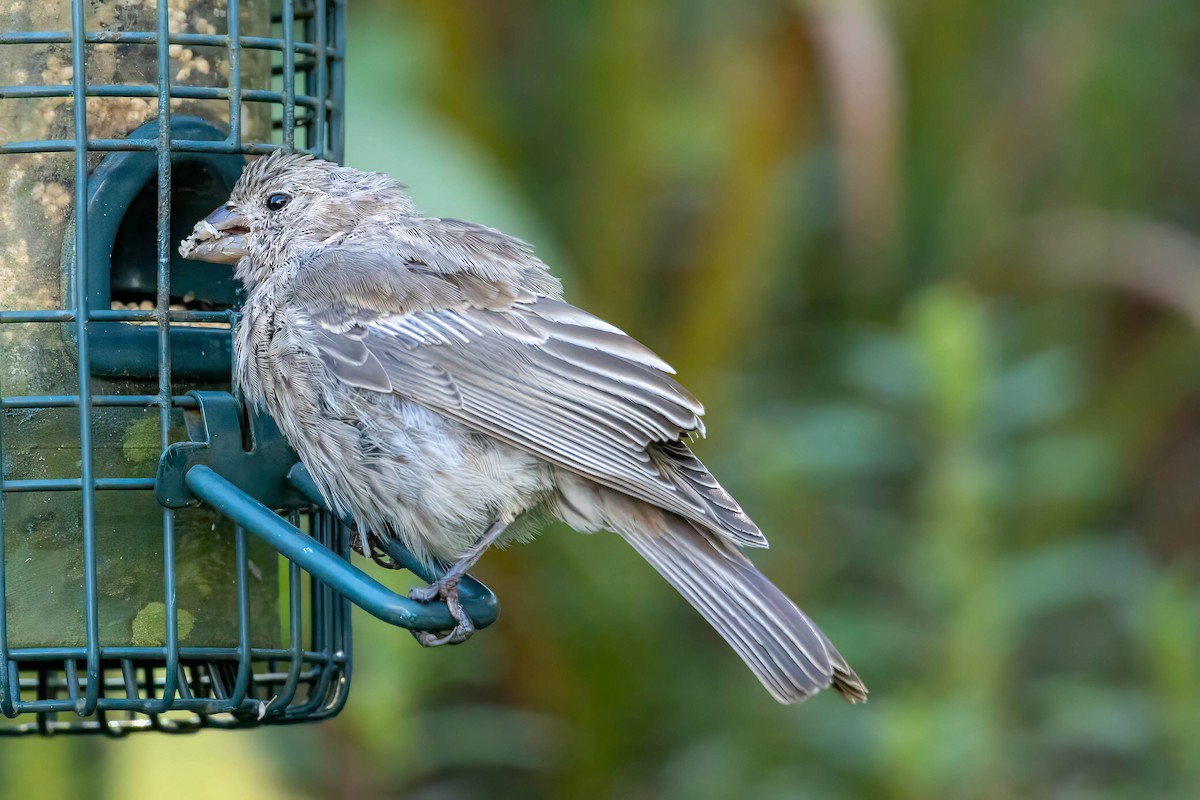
<point>446,591</point>
<point>369,546</point>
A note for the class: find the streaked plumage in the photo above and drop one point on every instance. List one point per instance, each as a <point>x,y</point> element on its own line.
<point>434,382</point>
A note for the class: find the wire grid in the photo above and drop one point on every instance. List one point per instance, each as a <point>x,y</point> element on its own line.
<point>174,688</point>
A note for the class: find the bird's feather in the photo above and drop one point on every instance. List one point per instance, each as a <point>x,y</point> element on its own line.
<point>541,375</point>
<point>787,652</point>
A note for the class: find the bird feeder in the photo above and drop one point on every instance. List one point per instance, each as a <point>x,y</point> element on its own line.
<point>165,563</point>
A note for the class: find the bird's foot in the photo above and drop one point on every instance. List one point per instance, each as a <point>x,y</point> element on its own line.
<point>368,545</point>
<point>445,590</point>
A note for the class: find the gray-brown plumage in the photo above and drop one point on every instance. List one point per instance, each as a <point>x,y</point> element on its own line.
<point>439,390</point>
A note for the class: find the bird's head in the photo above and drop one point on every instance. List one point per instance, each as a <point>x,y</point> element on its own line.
<point>284,204</point>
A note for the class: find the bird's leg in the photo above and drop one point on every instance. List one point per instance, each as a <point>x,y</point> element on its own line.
<point>445,588</point>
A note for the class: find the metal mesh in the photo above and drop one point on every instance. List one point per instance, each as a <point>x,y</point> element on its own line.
<point>112,681</point>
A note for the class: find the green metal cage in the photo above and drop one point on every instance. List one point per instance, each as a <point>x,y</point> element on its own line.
<point>165,564</point>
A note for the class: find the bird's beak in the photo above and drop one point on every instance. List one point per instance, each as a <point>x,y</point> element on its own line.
<point>220,237</point>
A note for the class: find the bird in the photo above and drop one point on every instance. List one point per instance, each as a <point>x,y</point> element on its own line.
<point>437,386</point>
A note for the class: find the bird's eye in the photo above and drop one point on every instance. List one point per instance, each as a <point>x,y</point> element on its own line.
<point>277,201</point>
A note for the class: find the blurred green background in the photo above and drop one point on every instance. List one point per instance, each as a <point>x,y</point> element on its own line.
<point>934,267</point>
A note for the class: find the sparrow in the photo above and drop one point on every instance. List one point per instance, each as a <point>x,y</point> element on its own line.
<point>439,390</point>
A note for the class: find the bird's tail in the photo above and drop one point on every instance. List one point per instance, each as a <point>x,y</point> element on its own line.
<point>780,644</point>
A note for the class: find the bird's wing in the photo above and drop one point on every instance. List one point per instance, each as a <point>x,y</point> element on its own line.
<point>544,376</point>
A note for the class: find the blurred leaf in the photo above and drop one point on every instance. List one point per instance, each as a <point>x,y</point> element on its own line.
<point>1074,572</point>
<point>1039,390</point>
<point>1066,466</point>
<point>948,327</point>
<point>840,441</point>
<point>887,367</point>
